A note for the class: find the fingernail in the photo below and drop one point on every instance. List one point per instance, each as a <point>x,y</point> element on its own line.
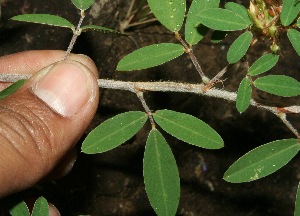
<point>66,88</point>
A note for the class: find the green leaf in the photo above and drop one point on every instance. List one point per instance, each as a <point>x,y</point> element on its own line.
<point>218,36</point>
<point>20,209</point>
<point>161,175</point>
<point>40,207</point>
<point>83,4</point>
<point>188,129</point>
<point>244,95</point>
<point>297,203</point>
<point>278,85</point>
<point>262,161</point>
<point>263,64</point>
<point>11,89</point>
<point>46,19</point>
<point>98,28</point>
<point>193,31</point>
<point>222,19</point>
<point>113,132</point>
<point>298,22</point>
<point>239,47</point>
<point>294,37</point>
<point>289,12</point>
<point>170,13</point>
<point>150,56</point>
<point>240,10</point>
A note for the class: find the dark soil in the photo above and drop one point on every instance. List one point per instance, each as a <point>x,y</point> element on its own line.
<point>112,183</point>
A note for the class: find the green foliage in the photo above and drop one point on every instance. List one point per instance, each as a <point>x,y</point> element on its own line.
<point>194,32</point>
<point>161,175</point>
<point>46,19</point>
<point>150,56</point>
<point>188,129</point>
<point>263,64</point>
<point>294,37</point>
<point>214,19</point>
<point>278,85</point>
<point>289,12</point>
<point>240,10</point>
<point>170,13</point>
<point>98,28</point>
<point>83,4</point>
<point>113,132</point>
<point>20,209</point>
<point>40,208</point>
<point>262,161</point>
<point>244,95</point>
<point>239,47</point>
<point>11,89</point>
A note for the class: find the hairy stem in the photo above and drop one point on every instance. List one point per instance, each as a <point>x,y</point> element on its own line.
<point>140,96</point>
<point>140,87</point>
<point>189,51</point>
<point>76,33</point>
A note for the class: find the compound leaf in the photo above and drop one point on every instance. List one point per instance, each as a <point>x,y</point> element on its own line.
<point>297,203</point>
<point>40,207</point>
<point>243,95</point>
<point>262,161</point>
<point>83,4</point>
<point>278,85</point>
<point>20,209</point>
<point>113,132</point>
<point>194,31</point>
<point>294,37</point>
<point>239,47</point>
<point>170,13</point>
<point>222,19</point>
<point>46,19</point>
<point>188,129</point>
<point>161,175</point>
<point>238,9</point>
<point>150,56</point>
<point>11,89</point>
<point>289,12</point>
<point>98,28</point>
<point>263,64</point>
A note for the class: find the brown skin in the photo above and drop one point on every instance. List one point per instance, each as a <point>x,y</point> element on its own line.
<point>35,141</point>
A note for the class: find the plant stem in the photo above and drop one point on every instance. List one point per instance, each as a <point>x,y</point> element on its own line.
<point>76,33</point>
<point>189,51</point>
<point>140,87</point>
<point>140,96</point>
<point>217,78</point>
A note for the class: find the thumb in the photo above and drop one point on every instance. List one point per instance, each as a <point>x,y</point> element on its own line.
<point>41,121</point>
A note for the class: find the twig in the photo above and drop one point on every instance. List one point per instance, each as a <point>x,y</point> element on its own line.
<point>139,87</point>
<point>217,78</point>
<point>141,23</point>
<point>189,51</point>
<point>76,33</point>
<point>140,96</point>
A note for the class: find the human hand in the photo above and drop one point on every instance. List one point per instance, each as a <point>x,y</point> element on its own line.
<point>41,122</point>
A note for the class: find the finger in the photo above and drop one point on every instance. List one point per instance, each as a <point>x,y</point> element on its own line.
<point>53,211</point>
<point>64,166</point>
<point>29,62</point>
<point>42,120</point>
